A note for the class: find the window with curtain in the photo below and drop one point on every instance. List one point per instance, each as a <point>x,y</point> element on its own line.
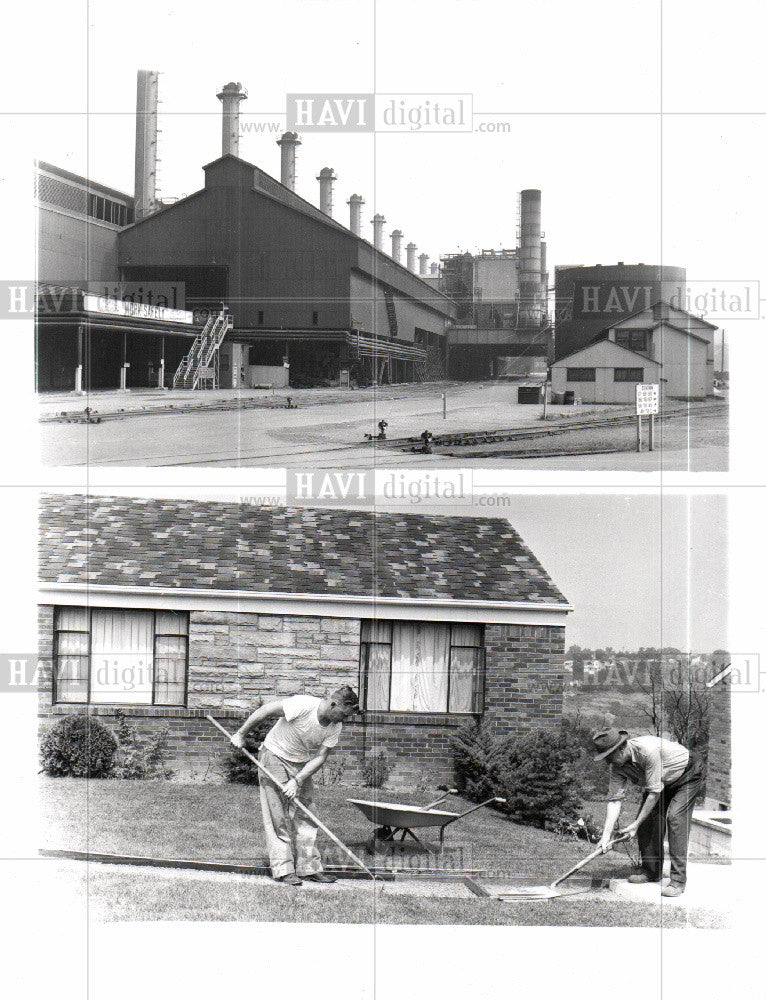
<point>121,656</point>
<point>422,666</point>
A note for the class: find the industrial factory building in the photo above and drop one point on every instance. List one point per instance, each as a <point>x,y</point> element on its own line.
<point>502,327</point>
<point>242,283</point>
<point>658,344</point>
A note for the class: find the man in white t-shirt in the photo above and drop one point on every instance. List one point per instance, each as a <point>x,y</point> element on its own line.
<point>294,749</point>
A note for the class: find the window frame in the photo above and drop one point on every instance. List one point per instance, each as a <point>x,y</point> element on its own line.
<point>627,377</point>
<point>572,378</point>
<point>479,677</point>
<point>626,338</point>
<point>155,635</point>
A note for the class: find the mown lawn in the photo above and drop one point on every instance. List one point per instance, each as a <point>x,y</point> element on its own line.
<point>223,822</point>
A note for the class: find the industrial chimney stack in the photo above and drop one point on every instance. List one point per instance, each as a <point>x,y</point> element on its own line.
<point>434,268</point>
<point>411,248</point>
<point>423,258</point>
<point>287,144</point>
<point>326,178</point>
<point>230,96</point>
<point>145,190</point>
<point>377,224</point>
<point>529,257</point>
<point>396,245</point>
<point>355,203</point>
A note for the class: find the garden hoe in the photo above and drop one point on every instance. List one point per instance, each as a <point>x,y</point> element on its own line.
<point>551,891</point>
<point>299,805</point>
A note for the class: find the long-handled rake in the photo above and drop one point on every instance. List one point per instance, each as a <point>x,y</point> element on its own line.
<point>551,891</point>
<point>297,803</point>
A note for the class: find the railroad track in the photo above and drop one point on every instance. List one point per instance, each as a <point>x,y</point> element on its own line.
<point>467,439</point>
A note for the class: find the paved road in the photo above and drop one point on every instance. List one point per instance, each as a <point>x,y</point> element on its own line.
<point>328,436</point>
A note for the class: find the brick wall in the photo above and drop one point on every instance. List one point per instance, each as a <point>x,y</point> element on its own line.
<point>718,785</point>
<point>525,676</point>
<point>237,660</point>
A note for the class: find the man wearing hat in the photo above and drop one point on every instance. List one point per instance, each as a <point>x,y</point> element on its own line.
<point>671,779</point>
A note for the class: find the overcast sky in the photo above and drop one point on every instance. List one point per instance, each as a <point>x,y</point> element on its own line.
<point>581,94</point>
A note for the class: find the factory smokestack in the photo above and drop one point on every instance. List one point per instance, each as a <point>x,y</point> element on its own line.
<point>396,245</point>
<point>326,180</point>
<point>434,268</point>
<point>529,257</point>
<point>287,144</point>
<point>230,96</point>
<point>411,248</point>
<point>355,203</point>
<point>145,190</point>
<point>377,228</point>
<point>423,258</point>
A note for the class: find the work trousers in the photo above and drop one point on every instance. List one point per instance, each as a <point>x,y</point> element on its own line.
<point>673,812</point>
<point>290,836</point>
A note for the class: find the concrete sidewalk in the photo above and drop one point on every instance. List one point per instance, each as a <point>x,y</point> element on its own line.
<point>709,887</point>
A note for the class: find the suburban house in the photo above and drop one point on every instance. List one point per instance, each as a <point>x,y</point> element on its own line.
<point>660,344</point>
<point>171,609</point>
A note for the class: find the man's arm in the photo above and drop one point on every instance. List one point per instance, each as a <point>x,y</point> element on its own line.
<point>294,784</point>
<point>613,810</point>
<point>649,803</point>
<point>272,710</point>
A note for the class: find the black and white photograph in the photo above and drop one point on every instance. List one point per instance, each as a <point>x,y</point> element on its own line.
<point>381,499</point>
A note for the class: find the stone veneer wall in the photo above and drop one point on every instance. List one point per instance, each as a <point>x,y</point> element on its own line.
<point>239,659</point>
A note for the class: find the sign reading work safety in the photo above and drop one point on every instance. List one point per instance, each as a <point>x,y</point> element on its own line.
<point>647,399</point>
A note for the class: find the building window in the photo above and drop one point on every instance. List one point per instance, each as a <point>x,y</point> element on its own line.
<point>119,656</point>
<point>422,667</point>
<point>629,374</point>
<point>315,318</point>
<point>581,374</point>
<point>260,317</point>
<point>634,340</point>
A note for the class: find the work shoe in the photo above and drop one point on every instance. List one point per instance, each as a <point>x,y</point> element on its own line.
<point>674,889</point>
<point>289,879</point>
<point>320,877</point>
<point>641,877</point>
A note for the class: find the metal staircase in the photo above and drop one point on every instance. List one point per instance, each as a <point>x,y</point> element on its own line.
<point>199,368</point>
<point>393,325</point>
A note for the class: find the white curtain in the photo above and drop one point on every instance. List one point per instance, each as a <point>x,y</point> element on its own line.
<point>419,667</point>
<point>122,656</point>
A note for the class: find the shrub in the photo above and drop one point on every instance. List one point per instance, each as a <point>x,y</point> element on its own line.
<point>78,746</point>
<point>333,770</point>
<point>236,767</point>
<point>474,751</point>
<point>535,775</point>
<point>376,769</point>
<point>138,761</point>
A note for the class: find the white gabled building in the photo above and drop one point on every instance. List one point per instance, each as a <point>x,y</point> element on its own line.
<point>659,344</point>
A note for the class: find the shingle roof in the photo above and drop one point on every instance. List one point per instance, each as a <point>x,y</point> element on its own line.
<point>226,546</point>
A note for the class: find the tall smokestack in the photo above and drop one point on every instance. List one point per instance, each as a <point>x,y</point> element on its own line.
<point>145,190</point>
<point>326,180</point>
<point>377,228</point>
<point>411,248</point>
<point>230,96</point>
<point>434,267</point>
<point>287,144</point>
<point>423,258</point>
<point>355,203</point>
<point>396,245</point>
<point>529,257</point>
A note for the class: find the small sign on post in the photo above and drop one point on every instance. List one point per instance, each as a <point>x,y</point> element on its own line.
<point>647,405</point>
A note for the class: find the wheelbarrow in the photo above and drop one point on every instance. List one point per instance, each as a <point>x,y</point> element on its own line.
<point>392,818</point>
